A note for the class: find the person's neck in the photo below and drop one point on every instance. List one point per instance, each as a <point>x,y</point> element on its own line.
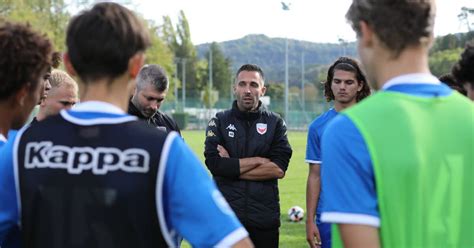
<point>339,106</point>
<point>411,60</point>
<point>114,91</point>
<point>41,115</point>
<point>6,118</point>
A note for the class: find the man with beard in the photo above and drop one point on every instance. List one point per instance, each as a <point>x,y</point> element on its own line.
<point>247,151</point>
<point>150,92</point>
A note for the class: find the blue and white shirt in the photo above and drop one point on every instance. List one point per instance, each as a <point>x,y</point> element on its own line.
<point>188,203</point>
<point>348,171</point>
<point>313,146</point>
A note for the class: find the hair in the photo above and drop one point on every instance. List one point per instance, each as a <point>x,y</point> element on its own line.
<point>102,40</point>
<point>24,56</point>
<point>154,75</point>
<point>56,59</point>
<point>350,65</point>
<point>251,67</point>
<point>397,23</point>
<point>449,80</point>
<point>59,78</point>
<point>463,70</point>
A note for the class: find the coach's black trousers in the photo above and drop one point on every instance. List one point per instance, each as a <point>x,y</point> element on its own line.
<point>264,238</point>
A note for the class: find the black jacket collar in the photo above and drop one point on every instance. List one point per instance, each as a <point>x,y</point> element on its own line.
<point>247,115</point>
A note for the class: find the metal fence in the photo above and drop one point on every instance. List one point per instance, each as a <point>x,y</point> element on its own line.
<point>300,114</point>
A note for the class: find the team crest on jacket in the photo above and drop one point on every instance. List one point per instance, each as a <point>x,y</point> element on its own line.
<point>262,128</point>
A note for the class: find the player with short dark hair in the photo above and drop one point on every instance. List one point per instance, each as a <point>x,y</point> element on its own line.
<point>397,166</point>
<point>25,57</point>
<point>345,85</point>
<point>247,151</point>
<point>150,92</point>
<point>463,70</point>
<point>101,178</point>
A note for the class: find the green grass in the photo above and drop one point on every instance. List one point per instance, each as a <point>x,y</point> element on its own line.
<point>292,187</point>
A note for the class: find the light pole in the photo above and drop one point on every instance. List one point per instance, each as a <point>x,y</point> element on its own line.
<point>176,88</point>
<point>210,67</point>
<point>286,7</point>
<point>302,80</point>
<point>183,79</point>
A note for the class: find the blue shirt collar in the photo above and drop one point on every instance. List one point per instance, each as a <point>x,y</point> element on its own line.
<point>414,78</point>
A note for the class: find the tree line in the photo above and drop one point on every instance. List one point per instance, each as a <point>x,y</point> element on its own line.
<point>189,66</point>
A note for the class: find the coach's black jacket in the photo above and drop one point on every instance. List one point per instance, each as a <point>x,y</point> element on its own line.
<point>159,119</point>
<point>243,135</point>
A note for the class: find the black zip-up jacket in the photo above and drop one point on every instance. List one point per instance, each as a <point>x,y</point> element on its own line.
<point>244,135</point>
<point>159,120</point>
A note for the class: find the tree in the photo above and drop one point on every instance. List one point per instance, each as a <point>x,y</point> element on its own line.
<point>221,71</point>
<point>441,62</point>
<point>464,16</point>
<point>184,49</point>
<point>46,16</point>
<point>159,53</point>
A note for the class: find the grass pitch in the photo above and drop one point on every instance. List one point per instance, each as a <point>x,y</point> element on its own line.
<point>292,186</point>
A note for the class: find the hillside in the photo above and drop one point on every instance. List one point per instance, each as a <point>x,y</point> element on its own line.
<point>269,53</point>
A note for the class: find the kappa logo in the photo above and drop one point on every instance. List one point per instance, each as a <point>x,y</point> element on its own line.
<point>161,128</point>
<point>212,123</point>
<point>75,160</point>
<point>210,133</point>
<point>231,127</point>
<point>262,128</point>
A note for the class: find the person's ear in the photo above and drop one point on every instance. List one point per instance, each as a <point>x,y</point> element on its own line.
<point>366,34</point>
<point>361,85</point>
<point>67,63</point>
<point>264,89</point>
<point>135,64</point>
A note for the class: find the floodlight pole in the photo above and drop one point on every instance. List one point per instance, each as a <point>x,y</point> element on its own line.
<point>285,7</point>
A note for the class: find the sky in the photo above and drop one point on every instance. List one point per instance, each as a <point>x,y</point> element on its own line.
<point>309,20</point>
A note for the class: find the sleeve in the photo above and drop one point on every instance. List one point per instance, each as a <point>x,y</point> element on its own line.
<point>9,212</point>
<point>280,151</point>
<point>218,166</point>
<point>313,146</point>
<point>174,124</point>
<point>194,208</point>
<point>347,176</point>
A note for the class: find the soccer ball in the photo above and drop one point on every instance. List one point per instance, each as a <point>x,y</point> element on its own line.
<point>295,214</point>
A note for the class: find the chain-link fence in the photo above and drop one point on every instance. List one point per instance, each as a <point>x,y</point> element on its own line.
<point>196,115</point>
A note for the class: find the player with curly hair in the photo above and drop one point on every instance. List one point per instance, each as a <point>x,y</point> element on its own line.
<point>463,70</point>
<point>25,57</point>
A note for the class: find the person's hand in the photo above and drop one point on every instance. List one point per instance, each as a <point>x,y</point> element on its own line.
<point>312,235</point>
<point>222,152</point>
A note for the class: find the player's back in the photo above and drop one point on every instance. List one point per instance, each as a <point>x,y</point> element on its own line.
<point>88,179</point>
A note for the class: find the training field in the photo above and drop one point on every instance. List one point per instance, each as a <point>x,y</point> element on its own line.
<point>292,187</point>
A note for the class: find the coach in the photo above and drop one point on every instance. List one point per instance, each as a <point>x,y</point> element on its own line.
<point>247,150</point>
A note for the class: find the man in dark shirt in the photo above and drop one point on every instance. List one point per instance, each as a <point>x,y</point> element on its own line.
<point>150,92</point>
<point>247,151</point>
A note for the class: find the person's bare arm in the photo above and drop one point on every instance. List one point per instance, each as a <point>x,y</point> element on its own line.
<point>356,236</point>
<point>243,243</point>
<point>262,172</point>
<point>313,188</point>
